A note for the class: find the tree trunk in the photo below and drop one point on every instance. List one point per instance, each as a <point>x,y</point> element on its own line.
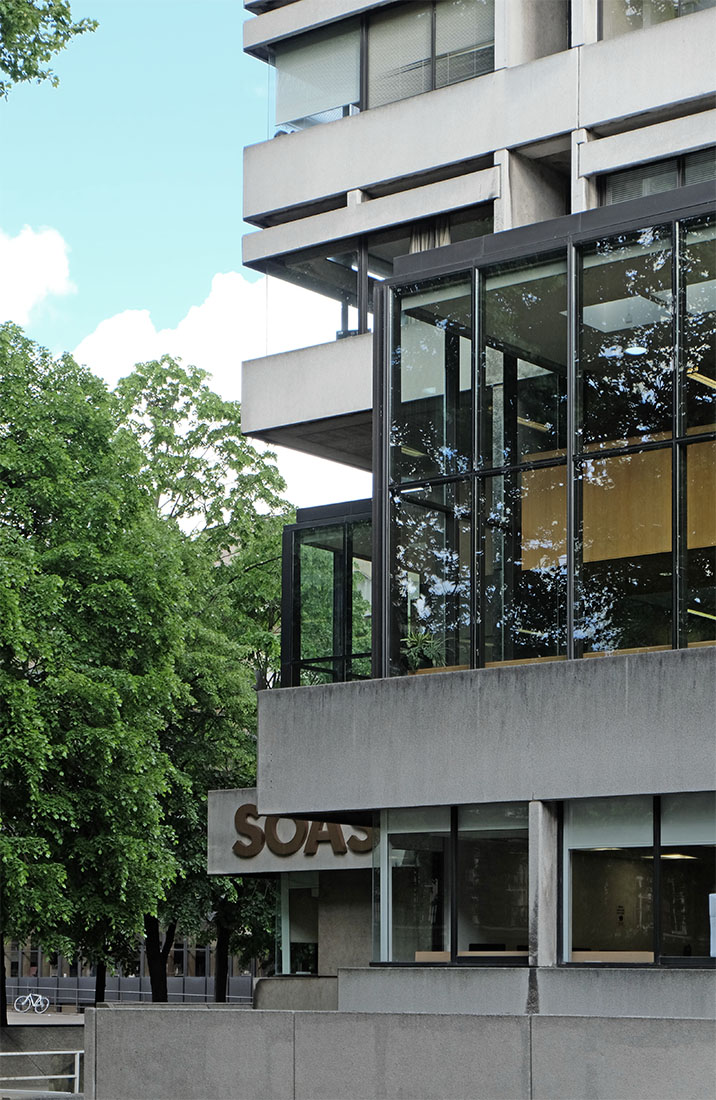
<point>157,955</point>
<point>221,972</point>
<point>100,981</point>
<point>3,986</point>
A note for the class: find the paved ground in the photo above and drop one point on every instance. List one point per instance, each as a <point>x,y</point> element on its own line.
<point>49,1017</point>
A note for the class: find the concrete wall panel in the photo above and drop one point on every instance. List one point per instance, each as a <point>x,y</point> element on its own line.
<point>572,729</point>
<point>452,125</point>
<point>190,1053</point>
<point>486,991</point>
<point>672,62</point>
<point>630,1059</point>
<point>343,1056</point>
<point>630,992</point>
<point>297,992</point>
<point>307,384</point>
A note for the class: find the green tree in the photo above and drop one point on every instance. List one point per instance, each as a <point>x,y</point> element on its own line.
<point>226,497</point>
<point>91,595</point>
<point>31,32</point>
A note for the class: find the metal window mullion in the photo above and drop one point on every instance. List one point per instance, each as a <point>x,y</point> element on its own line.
<point>433,45</point>
<point>363,65</point>
<point>573,485</point>
<point>480,417</point>
<point>452,882</point>
<point>475,391</point>
<point>382,339</point>
<point>656,883</point>
<point>679,454</point>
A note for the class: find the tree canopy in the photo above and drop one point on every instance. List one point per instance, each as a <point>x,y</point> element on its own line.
<point>31,32</point>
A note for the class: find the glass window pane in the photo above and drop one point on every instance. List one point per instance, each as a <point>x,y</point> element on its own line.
<point>333,278</point>
<point>638,183</point>
<point>701,542</point>
<point>609,899</point>
<point>320,557</point>
<point>430,571</point>
<point>492,880</point>
<point>525,561</point>
<point>688,874</point>
<point>317,77</point>
<point>620,16</point>
<point>699,323</point>
<point>701,165</point>
<point>688,818</point>
<point>626,553</point>
<point>361,581</point>
<point>418,851</point>
<point>431,430</point>
<point>626,339</point>
<point>525,362</point>
<point>399,46</point>
<point>464,40</point>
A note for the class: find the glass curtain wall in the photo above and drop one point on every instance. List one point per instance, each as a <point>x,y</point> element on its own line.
<point>544,503</point>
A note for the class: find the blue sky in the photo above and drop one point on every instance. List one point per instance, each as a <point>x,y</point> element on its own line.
<point>120,203</point>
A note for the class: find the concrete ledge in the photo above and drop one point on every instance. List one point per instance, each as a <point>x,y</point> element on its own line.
<point>298,993</point>
<point>484,991</point>
<point>559,991</point>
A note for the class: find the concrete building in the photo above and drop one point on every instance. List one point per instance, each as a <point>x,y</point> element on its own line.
<point>508,669</point>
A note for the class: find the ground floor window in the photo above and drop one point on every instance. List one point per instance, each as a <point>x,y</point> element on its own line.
<point>639,878</point>
<point>451,884</point>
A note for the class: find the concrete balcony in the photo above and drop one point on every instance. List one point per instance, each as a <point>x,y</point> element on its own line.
<point>670,73</point>
<point>317,400</point>
<point>565,729</point>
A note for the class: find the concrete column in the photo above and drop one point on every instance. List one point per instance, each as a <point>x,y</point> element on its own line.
<point>543,884</point>
<point>585,22</point>
<point>584,188</point>
<point>527,29</point>
<point>529,192</point>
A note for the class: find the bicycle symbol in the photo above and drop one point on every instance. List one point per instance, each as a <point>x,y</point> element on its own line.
<point>31,1000</point>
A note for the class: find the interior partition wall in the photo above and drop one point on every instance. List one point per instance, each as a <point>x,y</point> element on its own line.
<point>547,442</point>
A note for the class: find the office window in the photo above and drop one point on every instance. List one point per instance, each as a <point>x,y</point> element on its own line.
<point>429,913</point>
<point>620,16</point>
<point>492,881</point>
<point>619,905</point>
<point>317,77</point>
<point>464,40</point>
<point>658,176</point>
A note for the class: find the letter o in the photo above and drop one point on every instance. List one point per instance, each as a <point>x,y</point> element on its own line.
<point>285,847</point>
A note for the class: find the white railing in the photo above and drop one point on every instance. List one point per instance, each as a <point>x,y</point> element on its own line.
<point>74,1077</point>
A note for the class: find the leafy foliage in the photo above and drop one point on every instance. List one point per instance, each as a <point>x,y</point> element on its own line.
<point>31,32</point>
<point>91,592</point>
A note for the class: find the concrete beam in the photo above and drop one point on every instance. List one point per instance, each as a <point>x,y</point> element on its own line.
<point>570,729</point>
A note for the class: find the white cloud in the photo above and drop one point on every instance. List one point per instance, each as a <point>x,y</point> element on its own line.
<point>33,265</point>
<point>238,320</point>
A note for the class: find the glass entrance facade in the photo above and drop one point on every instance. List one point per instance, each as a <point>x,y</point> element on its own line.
<point>550,461</point>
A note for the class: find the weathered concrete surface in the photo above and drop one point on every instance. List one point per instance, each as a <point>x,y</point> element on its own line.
<point>190,1053</point>
<point>571,729</point>
<point>343,1056</point>
<point>601,1059</point>
<point>485,990</point>
<point>297,992</point>
<point>559,991</point>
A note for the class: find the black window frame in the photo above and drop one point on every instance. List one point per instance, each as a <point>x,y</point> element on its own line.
<point>529,242</point>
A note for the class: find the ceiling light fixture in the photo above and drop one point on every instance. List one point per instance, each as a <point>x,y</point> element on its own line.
<point>635,349</point>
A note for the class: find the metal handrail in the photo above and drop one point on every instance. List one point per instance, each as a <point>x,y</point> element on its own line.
<point>74,1076</point>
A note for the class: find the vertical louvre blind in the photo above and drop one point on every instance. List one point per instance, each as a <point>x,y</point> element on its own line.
<point>399,49</point>
<point>464,40</point>
<point>318,74</point>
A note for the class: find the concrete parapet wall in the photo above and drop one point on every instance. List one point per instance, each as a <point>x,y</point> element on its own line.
<point>562,991</point>
<point>296,992</point>
<point>190,1053</point>
<point>570,729</point>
